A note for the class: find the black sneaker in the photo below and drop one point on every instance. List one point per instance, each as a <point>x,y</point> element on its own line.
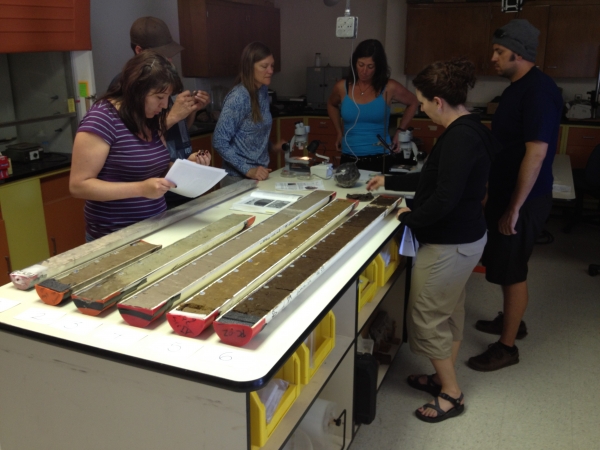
<point>494,358</point>
<point>495,326</point>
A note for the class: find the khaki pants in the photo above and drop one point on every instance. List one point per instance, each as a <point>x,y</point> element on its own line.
<point>436,305</point>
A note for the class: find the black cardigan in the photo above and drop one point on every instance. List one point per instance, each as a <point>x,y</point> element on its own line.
<point>447,206</point>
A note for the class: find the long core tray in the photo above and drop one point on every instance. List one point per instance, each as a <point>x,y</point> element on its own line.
<point>194,315</point>
<point>52,291</point>
<point>26,278</point>
<point>107,291</point>
<point>152,302</point>
<point>248,317</point>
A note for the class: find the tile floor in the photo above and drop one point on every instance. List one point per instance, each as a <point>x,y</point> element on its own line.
<point>547,401</point>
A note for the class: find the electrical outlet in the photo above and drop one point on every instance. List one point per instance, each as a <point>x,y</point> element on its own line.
<point>346,27</point>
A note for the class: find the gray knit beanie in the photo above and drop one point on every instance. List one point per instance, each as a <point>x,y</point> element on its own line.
<point>519,36</point>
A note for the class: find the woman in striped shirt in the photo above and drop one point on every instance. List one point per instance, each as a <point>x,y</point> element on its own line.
<point>119,154</point>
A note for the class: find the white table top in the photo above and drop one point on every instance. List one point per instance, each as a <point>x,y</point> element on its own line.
<point>204,358</point>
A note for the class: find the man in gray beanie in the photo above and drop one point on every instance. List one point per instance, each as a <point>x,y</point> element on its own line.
<point>520,183</point>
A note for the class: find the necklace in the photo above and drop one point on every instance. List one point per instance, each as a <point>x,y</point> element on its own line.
<point>360,89</point>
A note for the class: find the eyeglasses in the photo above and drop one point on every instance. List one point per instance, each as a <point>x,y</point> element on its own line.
<point>499,33</point>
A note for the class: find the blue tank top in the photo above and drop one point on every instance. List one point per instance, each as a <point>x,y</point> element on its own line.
<point>373,120</point>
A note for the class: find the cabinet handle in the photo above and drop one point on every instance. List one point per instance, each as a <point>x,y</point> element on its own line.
<point>8,265</point>
<point>54,245</point>
<point>552,67</point>
<point>588,137</point>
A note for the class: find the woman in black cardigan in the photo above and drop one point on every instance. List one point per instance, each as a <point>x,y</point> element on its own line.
<point>447,220</point>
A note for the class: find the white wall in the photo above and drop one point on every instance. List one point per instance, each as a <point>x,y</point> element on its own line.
<point>308,27</point>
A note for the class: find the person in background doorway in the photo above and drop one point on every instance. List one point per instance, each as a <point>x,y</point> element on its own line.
<point>447,220</point>
<point>520,187</point>
<point>359,108</point>
<point>119,153</point>
<point>242,133</point>
<point>152,33</point>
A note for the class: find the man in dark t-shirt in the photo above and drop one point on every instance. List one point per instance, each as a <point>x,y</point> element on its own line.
<point>526,123</point>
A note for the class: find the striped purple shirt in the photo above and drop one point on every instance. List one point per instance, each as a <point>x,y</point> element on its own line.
<point>129,159</point>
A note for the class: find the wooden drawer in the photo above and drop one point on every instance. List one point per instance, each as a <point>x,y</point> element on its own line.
<point>327,146</point>
<point>579,155</point>
<point>201,143</point>
<point>319,126</point>
<point>5,267</point>
<point>55,187</point>
<point>287,127</point>
<point>583,136</point>
<point>425,128</point>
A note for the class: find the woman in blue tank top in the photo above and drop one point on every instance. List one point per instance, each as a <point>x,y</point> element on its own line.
<point>360,108</point>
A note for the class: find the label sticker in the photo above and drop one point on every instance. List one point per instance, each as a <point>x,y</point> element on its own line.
<point>119,335</point>
<point>76,324</point>
<point>39,315</point>
<point>175,347</point>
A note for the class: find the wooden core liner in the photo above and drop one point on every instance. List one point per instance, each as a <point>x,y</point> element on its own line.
<point>104,293</point>
<point>150,303</point>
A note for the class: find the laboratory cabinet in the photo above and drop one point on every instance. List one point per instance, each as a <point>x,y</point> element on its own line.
<point>5,269</point>
<point>578,142</point>
<point>568,40</point>
<point>41,218</point>
<point>214,33</point>
<point>48,26</point>
<point>453,30</point>
<point>75,381</point>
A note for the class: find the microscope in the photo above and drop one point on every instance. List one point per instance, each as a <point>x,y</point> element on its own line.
<point>314,163</point>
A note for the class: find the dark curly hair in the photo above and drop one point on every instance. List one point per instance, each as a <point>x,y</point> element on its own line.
<point>449,80</point>
<point>148,71</point>
<point>372,48</point>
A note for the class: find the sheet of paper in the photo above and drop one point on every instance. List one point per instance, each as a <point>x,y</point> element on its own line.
<point>408,245</point>
<point>300,186</point>
<point>265,202</point>
<point>6,304</point>
<point>193,179</point>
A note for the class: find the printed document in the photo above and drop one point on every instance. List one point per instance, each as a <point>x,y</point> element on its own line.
<point>193,179</point>
<point>265,202</point>
<point>300,186</point>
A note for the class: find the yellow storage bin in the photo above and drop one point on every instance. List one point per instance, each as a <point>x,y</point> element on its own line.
<point>384,271</point>
<point>367,285</point>
<point>260,430</point>
<point>324,341</point>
